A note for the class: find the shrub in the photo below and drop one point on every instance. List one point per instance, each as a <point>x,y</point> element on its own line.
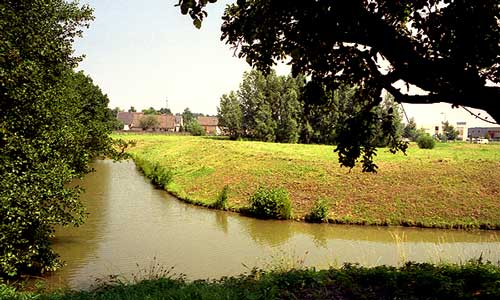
<point>319,211</point>
<point>221,201</point>
<point>271,203</point>
<point>195,128</point>
<point>426,142</point>
<point>160,176</point>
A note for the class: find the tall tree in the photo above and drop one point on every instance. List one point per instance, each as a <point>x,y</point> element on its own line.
<point>410,130</point>
<point>230,115</point>
<point>116,110</point>
<point>449,132</point>
<point>251,95</point>
<point>165,111</point>
<point>448,48</point>
<point>150,111</point>
<point>270,106</point>
<point>188,116</point>
<point>289,109</point>
<point>265,124</point>
<point>53,121</point>
<point>323,110</point>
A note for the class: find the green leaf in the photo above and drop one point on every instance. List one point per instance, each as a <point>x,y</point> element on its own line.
<point>197,23</point>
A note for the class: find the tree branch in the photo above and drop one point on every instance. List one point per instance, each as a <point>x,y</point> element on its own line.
<point>477,116</point>
<point>412,99</point>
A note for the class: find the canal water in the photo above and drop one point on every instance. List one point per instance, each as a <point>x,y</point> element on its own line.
<point>133,228</point>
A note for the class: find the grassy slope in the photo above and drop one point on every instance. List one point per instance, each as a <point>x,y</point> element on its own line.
<point>453,185</point>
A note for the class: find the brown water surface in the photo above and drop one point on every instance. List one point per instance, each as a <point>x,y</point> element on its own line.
<point>132,226</point>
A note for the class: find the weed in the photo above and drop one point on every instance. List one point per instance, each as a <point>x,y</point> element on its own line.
<point>159,175</point>
<point>473,280</point>
<point>319,211</point>
<point>155,271</point>
<point>285,261</point>
<point>222,199</point>
<point>271,203</point>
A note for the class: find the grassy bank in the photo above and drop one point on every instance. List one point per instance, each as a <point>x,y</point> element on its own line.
<point>412,281</point>
<point>454,185</point>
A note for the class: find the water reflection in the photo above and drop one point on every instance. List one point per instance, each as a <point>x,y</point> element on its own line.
<point>221,220</point>
<point>271,233</point>
<point>131,223</point>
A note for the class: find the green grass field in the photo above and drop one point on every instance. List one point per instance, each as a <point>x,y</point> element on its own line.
<point>455,185</point>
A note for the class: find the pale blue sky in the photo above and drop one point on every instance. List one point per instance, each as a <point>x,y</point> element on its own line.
<point>141,53</point>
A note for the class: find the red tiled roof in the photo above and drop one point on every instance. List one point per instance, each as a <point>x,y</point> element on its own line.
<point>167,121</point>
<point>136,118</point>
<point>208,121</point>
<point>125,117</point>
<point>133,119</point>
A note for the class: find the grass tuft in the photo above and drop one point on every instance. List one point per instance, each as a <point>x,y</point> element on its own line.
<point>222,199</point>
<point>319,211</point>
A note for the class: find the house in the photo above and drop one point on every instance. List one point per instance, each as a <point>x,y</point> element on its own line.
<point>210,124</point>
<point>432,129</point>
<point>125,118</point>
<point>462,131</point>
<point>131,121</point>
<point>167,122</point>
<point>179,122</point>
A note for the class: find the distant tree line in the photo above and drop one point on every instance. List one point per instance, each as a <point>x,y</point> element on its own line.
<point>146,111</point>
<point>410,132</point>
<point>290,110</point>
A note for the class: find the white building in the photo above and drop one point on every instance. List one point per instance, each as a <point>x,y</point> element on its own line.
<point>437,128</point>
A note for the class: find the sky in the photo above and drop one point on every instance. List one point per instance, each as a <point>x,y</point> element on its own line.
<point>144,55</point>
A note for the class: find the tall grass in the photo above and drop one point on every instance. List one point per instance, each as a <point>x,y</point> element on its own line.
<point>160,175</point>
<point>473,280</point>
<point>222,199</point>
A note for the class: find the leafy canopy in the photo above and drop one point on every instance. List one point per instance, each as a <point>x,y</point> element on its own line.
<point>53,122</point>
<point>447,48</point>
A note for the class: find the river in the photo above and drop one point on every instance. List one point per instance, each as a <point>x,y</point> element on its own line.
<point>133,227</point>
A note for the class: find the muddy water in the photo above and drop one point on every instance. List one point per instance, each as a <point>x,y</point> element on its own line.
<point>132,227</point>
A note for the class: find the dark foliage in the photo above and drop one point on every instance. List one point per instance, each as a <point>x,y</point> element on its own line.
<point>53,122</point>
<point>447,48</point>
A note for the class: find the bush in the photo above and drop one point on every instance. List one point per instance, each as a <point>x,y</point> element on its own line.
<point>195,128</point>
<point>319,211</point>
<point>426,142</point>
<point>160,176</point>
<point>271,204</point>
<point>221,201</point>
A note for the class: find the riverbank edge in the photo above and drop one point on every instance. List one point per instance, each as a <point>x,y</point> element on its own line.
<point>169,186</point>
<point>471,280</point>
